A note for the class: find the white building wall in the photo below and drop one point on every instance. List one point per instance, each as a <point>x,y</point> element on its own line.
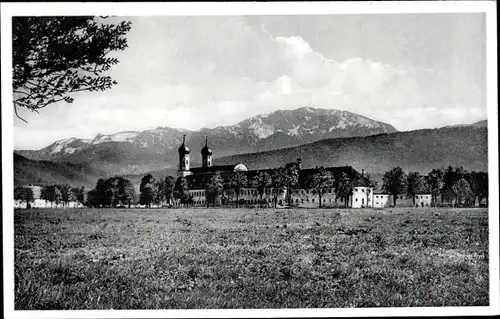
<point>386,200</point>
<point>380,200</point>
<point>362,197</point>
<point>423,200</point>
<point>40,203</point>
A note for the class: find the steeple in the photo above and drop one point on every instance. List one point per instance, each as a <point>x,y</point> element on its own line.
<point>184,158</point>
<point>206,155</point>
<point>184,149</point>
<point>205,150</point>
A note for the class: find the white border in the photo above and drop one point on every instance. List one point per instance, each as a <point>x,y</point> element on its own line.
<point>248,8</point>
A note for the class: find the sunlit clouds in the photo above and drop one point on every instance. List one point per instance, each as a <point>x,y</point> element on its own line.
<point>195,72</point>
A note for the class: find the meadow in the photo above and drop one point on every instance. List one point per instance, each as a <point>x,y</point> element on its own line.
<point>250,258</point>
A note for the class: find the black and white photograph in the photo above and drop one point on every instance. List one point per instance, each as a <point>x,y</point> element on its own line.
<point>249,159</point>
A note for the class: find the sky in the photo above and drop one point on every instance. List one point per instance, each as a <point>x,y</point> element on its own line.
<point>410,70</point>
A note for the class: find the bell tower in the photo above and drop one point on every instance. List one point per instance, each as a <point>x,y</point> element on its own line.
<point>184,158</point>
<point>206,155</point>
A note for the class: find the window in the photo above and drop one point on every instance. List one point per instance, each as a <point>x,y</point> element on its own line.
<point>308,199</point>
<point>330,191</point>
<point>356,199</point>
<point>376,203</point>
<point>324,200</point>
<point>302,200</point>
<point>312,200</point>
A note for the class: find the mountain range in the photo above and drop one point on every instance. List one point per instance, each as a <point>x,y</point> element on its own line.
<point>318,136</point>
<point>420,150</point>
<point>27,171</point>
<point>140,152</point>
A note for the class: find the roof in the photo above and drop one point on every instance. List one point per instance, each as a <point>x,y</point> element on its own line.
<point>212,169</point>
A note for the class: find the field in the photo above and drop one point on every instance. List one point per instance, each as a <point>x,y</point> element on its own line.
<point>248,258</point>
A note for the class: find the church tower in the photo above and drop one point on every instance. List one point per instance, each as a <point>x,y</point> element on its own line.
<point>184,158</point>
<point>206,155</point>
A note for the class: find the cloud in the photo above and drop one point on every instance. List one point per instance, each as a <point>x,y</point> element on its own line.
<point>196,72</point>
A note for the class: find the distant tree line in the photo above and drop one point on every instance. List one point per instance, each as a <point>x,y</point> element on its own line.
<point>62,194</point>
<point>111,192</point>
<point>450,185</point>
<point>453,185</point>
<point>24,194</point>
<point>52,194</point>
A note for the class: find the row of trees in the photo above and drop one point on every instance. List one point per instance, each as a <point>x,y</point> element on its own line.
<point>450,184</point>
<point>24,194</point>
<point>275,184</point>
<point>111,192</point>
<point>63,194</point>
<point>52,194</point>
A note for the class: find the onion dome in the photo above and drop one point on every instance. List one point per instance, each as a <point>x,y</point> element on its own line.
<point>205,151</point>
<point>184,149</point>
<point>240,168</point>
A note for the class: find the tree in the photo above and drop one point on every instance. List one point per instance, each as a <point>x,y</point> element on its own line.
<point>24,194</point>
<point>237,182</point>
<point>413,185</point>
<point>126,191</point>
<point>75,194</point>
<point>168,188</point>
<point>435,182</point>
<point>92,199</point>
<point>112,191</point>
<point>449,179</point>
<point>54,57</point>
<point>65,194</point>
<point>344,187</point>
<point>81,195</point>
<point>213,188</point>
<point>57,195</point>
<point>394,183</point>
<point>160,192</point>
<point>479,185</point>
<point>99,194</point>
<point>147,190</point>
<point>72,195</point>
<point>44,194</point>
<point>463,192</point>
<point>48,194</point>
<point>262,182</point>
<point>291,180</point>
<point>321,180</point>
<point>278,183</point>
<point>181,190</point>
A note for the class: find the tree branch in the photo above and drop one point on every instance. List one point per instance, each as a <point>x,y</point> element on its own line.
<point>17,114</point>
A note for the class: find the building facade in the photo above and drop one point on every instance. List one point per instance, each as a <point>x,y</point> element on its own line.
<point>302,195</point>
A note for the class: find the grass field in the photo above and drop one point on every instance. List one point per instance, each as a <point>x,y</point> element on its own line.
<point>247,258</point>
